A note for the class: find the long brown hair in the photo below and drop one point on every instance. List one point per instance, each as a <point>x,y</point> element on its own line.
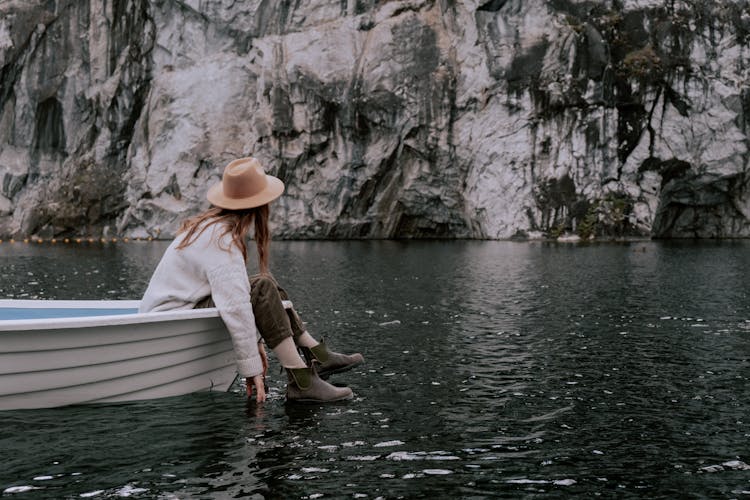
<point>238,224</point>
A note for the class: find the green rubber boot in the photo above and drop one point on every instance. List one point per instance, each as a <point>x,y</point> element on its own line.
<point>306,386</point>
<point>328,362</point>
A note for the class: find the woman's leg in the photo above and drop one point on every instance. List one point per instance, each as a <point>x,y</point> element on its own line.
<point>278,328</point>
<point>327,361</point>
<point>300,335</point>
<point>273,322</point>
<point>275,326</point>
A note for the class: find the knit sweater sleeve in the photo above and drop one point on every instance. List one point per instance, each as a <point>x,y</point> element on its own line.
<point>230,290</point>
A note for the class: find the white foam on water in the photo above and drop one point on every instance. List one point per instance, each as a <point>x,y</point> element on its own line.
<point>129,490</point>
<point>329,447</point>
<point>402,455</point>
<point>19,489</point>
<point>388,476</point>
<point>730,464</point>
<point>353,443</point>
<point>437,472</point>
<point>557,482</point>
<point>43,478</point>
<point>363,458</point>
<point>390,323</point>
<point>408,476</point>
<point>384,444</point>
<point>736,464</point>
<point>420,455</point>
<point>90,494</point>
<point>564,482</point>
<point>314,469</point>
<point>316,495</point>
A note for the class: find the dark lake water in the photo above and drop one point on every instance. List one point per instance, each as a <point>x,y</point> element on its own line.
<point>494,369</point>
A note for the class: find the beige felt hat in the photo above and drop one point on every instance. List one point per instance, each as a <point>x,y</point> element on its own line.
<point>244,185</point>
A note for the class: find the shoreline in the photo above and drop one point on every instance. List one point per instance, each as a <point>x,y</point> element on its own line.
<point>563,240</point>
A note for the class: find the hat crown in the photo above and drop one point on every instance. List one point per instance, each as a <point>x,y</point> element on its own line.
<point>244,184</point>
<point>243,178</point>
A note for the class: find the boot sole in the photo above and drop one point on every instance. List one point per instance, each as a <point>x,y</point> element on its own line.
<point>346,398</point>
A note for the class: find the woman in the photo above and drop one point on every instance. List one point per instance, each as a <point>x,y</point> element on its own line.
<point>205,266</point>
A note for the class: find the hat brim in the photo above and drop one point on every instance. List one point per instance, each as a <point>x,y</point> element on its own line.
<point>273,190</point>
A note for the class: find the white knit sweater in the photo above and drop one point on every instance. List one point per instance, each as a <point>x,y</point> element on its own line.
<point>211,265</point>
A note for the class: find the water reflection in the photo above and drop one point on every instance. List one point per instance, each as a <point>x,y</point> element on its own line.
<point>77,271</point>
<point>493,369</point>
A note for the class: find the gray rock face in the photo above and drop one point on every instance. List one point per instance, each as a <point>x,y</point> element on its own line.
<point>411,118</point>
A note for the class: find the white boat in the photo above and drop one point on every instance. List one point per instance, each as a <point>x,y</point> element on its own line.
<point>60,352</point>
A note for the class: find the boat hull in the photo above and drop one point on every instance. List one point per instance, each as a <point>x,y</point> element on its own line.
<point>48,362</point>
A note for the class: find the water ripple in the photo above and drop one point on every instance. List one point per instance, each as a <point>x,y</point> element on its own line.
<point>493,369</point>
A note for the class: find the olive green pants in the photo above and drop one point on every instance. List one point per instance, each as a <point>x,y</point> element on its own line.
<point>274,322</point>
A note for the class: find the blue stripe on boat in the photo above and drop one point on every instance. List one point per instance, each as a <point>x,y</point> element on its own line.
<point>10,313</point>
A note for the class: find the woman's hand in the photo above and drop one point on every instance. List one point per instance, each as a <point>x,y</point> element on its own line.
<point>256,383</point>
<point>263,357</point>
<point>259,381</point>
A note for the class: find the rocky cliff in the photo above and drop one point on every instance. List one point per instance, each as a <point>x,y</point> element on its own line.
<point>411,118</point>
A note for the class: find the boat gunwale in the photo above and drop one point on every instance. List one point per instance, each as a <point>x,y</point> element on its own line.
<point>94,321</point>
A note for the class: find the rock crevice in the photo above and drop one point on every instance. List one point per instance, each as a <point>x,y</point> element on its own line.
<point>395,119</point>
